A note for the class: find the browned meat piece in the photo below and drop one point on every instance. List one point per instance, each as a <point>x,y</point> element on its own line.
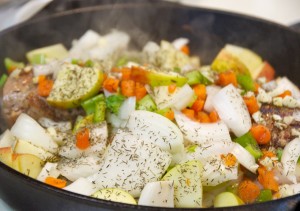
<point>281,133</point>
<point>20,96</point>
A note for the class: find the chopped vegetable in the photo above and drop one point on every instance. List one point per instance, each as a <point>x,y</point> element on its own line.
<point>226,78</point>
<point>146,103</point>
<point>11,65</point>
<point>45,86</point>
<point>261,134</point>
<point>249,143</point>
<point>140,91</point>
<point>264,195</point>
<point>83,139</point>
<point>248,191</point>
<point>90,105</point>
<point>59,183</point>
<point>267,179</point>
<point>3,79</point>
<point>114,103</point>
<point>196,77</point>
<point>111,84</point>
<point>128,88</point>
<point>285,93</point>
<point>251,104</point>
<point>200,91</point>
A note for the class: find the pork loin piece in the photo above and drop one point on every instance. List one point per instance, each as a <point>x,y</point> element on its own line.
<point>20,96</point>
<point>281,124</point>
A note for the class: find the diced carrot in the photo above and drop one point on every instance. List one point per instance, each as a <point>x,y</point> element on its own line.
<point>115,70</point>
<point>111,84</point>
<point>226,78</point>
<point>203,117</point>
<point>267,153</point>
<point>126,73</point>
<point>185,49</point>
<point>140,91</point>
<point>229,160</point>
<point>45,86</point>
<point>261,134</point>
<point>285,93</point>
<point>170,115</point>
<point>171,88</point>
<point>200,91</point>
<point>267,179</point>
<point>248,191</point>
<point>256,87</point>
<point>83,139</point>
<point>59,183</point>
<point>251,104</point>
<point>213,116</point>
<point>138,74</point>
<point>128,88</point>
<point>190,113</point>
<point>104,76</point>
<point>198,105</point>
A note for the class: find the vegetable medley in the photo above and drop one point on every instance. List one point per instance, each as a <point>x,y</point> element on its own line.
<point>152,127</point>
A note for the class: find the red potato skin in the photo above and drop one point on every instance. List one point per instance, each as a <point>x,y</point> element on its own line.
<point>267,71</point>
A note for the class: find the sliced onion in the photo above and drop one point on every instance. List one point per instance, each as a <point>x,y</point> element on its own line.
<point>61,126</point>
<point>208,149</point>
<point>157,129</point>
<point>199,133</point>
<point>7,139</point>
<point>285,84</point>
<point>127,107</point>
<point>290,155</point>
<point>49,170</point>
<point>211,91</point>
<point>178,100</point>
<point>232,110</point>
<point>81,186</point>
<point>244,157</point>
<point>27,129</point>
<point>115,120</point>
<point>180,42</point>
<point>80,167</point>
<point>215,172</point>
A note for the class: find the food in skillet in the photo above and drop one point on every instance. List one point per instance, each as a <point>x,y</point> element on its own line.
<point>152,127</point>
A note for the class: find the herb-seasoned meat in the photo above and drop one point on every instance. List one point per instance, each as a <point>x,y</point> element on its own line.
<point>20,95</point>
<point>281,128</point>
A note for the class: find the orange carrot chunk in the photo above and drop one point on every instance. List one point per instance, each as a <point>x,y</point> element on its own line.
<point>128,88</point>
<point>140,91</point>
<point>251,104</point>
<point>190,113</point>
<point>126,73</point>
<point>111,84</point>
<point>213,116</point>
<point>200,91</point>
<point>261,134</point>
<point>266,179</point>
<point>285,93</point>
<point>229,160</point>
<point>83,139</point>
<point>185,49</point>
<point>198,105</point>
<point>226,78</point>
<point>59,183</point>
<point>203,117</point>
<point>170,115</point>
<point>248,191</point>
<point>45,86</point>
<point>171,88</point>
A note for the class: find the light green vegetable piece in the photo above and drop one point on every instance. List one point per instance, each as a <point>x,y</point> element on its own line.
<point>114,194</point>
<point>187,184</point>
<point>227,199</point>
<point>73,85</point>
<point>57,51</point>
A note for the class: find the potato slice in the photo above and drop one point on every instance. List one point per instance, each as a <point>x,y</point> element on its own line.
<point>114,194</point>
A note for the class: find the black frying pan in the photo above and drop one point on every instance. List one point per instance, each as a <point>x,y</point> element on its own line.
<point>208,31</point>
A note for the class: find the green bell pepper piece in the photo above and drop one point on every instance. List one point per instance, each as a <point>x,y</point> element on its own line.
<point>246,82</point>
<point>3,80</point>
<point>264,195</point>
<point>146,103</point>
<point>89,105</point>
<point>249,143</point>
<point>196,77</point>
